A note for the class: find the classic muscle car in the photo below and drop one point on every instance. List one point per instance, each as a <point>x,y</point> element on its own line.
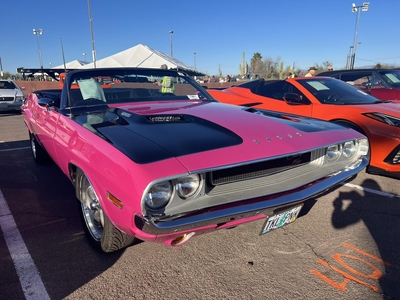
<point>331,100</point>
<point>164,165</point>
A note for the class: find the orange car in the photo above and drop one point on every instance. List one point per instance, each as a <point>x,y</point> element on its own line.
<point>332,100</point>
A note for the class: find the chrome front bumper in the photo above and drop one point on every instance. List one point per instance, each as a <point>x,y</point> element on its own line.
<point>261,206</point>
<point>7,106</point>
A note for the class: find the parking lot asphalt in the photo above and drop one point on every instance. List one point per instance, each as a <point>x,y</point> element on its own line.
<point>346,247</point>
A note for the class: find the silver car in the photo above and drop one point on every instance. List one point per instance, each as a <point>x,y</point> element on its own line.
<point>11,95</point>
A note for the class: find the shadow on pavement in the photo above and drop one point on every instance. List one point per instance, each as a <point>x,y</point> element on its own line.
<point>383,222</point>
<point>10,113</point>
<point>43,203</point>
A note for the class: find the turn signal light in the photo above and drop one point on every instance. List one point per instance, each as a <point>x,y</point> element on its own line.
<point>118,203</point>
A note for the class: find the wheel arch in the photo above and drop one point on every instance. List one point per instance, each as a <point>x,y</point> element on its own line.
<point>108,239</point>
<point>73,171</point>
<point>72,168</point>
<point>354,126</point>
<point>350,124</point>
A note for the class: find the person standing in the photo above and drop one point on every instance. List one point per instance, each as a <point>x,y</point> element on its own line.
<point>330,68</point>
<point>289,75</point>
<point>167,84</point>
<point>311,72</point>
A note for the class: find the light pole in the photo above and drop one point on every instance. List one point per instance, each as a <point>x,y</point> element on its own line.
<point>91,33</point>
<point>348,58</point>
<point>84,57</point>
<point>51,65</point>
<point>194,55</point>
<point>358,10</point>
<point>170,41</point>
<point>38,33</point>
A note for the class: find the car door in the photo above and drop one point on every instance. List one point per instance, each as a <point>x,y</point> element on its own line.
<point>369,82</point>
<point>272,95</point>
<point>359,79</point>
<point>46,121</point>
<point>379,89</point>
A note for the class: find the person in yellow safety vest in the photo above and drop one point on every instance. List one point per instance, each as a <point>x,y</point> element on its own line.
<point>167,84</point>
<point>290,75</point>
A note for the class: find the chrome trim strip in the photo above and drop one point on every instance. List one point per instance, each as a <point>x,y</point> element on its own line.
<point>249,162</point>
<point>152,226</point>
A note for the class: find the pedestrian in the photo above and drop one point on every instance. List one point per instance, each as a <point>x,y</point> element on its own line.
<point>167,83</point>
<point>330,68</point>
<point>289,75</point>
<point>311,72</point>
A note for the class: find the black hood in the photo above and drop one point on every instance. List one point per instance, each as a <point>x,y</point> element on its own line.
<point>151,138</point>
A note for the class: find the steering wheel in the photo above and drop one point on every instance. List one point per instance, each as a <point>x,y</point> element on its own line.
<point>333,98</point>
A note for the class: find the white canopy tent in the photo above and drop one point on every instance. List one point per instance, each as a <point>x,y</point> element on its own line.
<point>140,56</point>
<point>75,64</point>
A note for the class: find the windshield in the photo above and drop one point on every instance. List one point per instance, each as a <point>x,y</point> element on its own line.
<point>392,77</point>
<point>124,85</point>
<point>334,91</point>
<point>7,85</point>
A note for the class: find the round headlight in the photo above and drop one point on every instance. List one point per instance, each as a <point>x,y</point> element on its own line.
<point>187,186</point>
<point>333,153</point>
<point>349,148</point>
<point>159,195</point>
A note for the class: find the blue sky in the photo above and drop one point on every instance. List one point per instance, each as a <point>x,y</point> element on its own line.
<point>301,32</point>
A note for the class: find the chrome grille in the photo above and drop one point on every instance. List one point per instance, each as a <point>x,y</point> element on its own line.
<point>6,98</point>
<point>274,181</point>
<point>259,169</point>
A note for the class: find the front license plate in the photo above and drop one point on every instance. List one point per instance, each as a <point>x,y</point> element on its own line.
<point>281,219</point>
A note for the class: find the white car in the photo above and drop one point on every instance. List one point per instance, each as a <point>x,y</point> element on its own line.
<point>11,95</point>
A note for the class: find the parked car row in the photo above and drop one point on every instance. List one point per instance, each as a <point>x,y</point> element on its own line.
<point>163,161</point>
<point>331,100</point>
<point>11,95</point>
<point>383,84</point>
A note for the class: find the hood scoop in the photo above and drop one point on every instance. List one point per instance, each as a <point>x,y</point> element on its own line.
<point>168,119</point>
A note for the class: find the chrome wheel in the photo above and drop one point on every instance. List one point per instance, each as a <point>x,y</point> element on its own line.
<point>39,154</point>
<point>91,209</point>
<point>33,146</point>
<point>102,234</point>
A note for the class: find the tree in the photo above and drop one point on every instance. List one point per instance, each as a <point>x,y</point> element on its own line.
<point>386,66</point>
<point>256,64</point>
<point>325,65</point>
<point>5,75</point>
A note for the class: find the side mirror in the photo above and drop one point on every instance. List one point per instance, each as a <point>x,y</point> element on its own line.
<point>46,102</point>
<point>293,98</point>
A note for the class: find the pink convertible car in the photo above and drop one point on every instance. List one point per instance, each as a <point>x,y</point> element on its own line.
<point>154,157</point>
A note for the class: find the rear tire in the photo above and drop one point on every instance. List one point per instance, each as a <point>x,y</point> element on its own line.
<point>102,234</point>
<point>39,154</point>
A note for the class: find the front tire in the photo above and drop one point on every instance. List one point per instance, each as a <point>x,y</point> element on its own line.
<point>102,234</point>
